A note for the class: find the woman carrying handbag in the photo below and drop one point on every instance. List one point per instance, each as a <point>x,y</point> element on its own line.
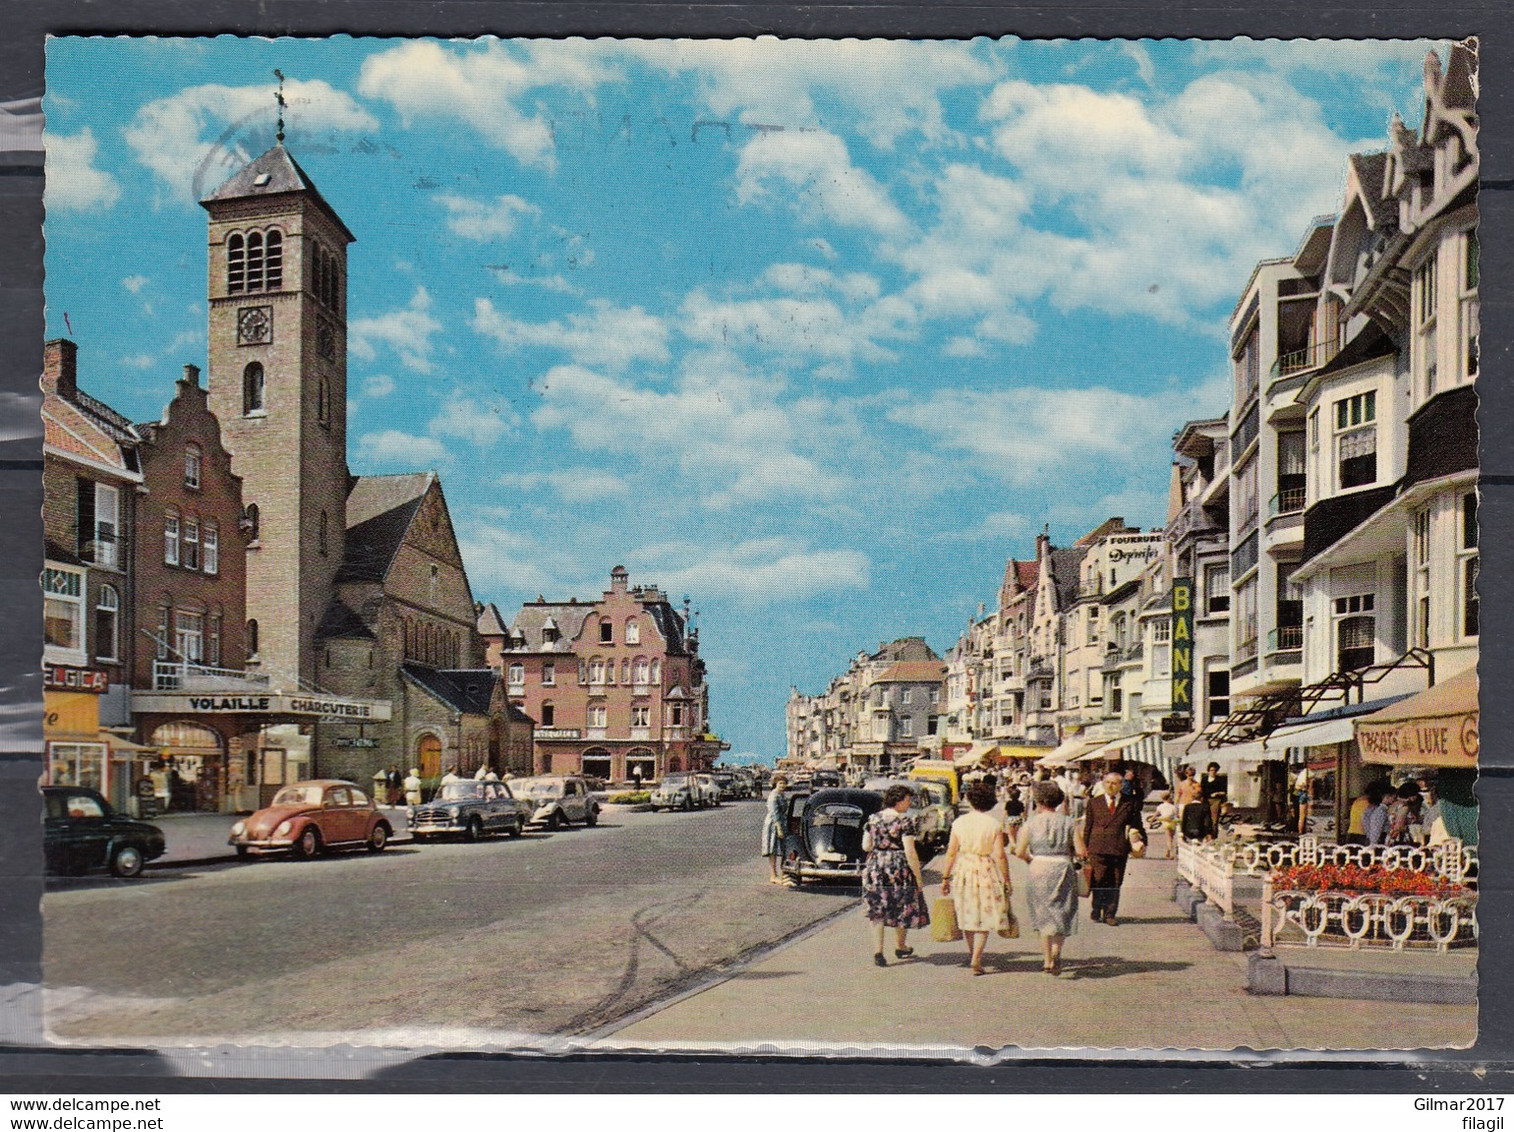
<point>1051,841</point>
<point>975,874</point>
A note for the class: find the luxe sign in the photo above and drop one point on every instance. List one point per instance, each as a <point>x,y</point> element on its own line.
<point>1424,742</point>
<point>1182,646</point>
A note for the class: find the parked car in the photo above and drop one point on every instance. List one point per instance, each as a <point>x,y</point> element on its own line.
<point>473,809</point>
<point>930,804</point>
<point>81,832</point>
<point>558,800</point>
<point>826,778</point>
<point>675,792</point>
<point>726,783</point>
<point>308,818</point>
<point>707,788</point>
<point>824,836</point>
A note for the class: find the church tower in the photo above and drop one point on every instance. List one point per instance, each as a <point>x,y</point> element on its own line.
<point>277,353</point>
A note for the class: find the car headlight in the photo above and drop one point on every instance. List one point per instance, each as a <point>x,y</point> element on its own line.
<point>283,830</point>
<point>239,829</point>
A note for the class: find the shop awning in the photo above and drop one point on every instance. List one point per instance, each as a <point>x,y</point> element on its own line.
<point>1321,734</point>
<point>1232,757</point>
<point>1436,727</point>
<point>1069,751</point>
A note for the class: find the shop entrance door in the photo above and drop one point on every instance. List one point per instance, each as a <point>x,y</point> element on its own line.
<point>428,754</point>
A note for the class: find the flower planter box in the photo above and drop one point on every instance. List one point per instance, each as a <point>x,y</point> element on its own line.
<point>1352,906</point>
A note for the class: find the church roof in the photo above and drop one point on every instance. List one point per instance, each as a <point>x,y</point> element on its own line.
<point>468,690</point>
<point>490,622</point>
<point>341,623</point>
<point>379,513</point>
<point>274,172</point>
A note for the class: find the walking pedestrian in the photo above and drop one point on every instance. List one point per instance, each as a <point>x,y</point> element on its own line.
<point>1167,821</point>
<point>975,873</point>
<point>1051,841</point>
<point>1215,787</point>
<point>772,827</point>
<point>1111,829</point>
<point>396,784</point>
<point>893,888</point>
<point>1188,796</point>
<point>413,787</point>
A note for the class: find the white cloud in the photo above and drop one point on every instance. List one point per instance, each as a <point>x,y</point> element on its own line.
<point>139,361</point>
<point>483,85</point>
<point>485,220</point>
<point>811,171</point>
<point>134,283</point>
<point>573,485</point>
<point>755,571</point>
<point>181,138</point>
<point>1032,437</point>
<point>379,385</point>
<point>996,526</point>
<point>464,417</point>
<point>407,332</point>
<point>393,446</point>
<point>888,87</point>
<point>723,429</point>
<point>73,182</point>
<point>602,335</point>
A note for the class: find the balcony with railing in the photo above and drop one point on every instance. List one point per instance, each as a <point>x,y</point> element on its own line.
<point>1285,645</point>
<point>1300,361</point>
<point>1288,501</point>
<point>191,676</point>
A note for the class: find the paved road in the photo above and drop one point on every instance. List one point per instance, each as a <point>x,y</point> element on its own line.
<point>547,935</point>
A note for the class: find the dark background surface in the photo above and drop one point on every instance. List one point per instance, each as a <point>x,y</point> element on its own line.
<point>1487,1067</point>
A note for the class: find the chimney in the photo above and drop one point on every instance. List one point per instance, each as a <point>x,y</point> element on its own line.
<point>618,579</point>
<point>192,376</point>
<point>60,371</point>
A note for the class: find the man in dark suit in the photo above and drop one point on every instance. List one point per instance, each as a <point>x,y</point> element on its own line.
<point>1215,787</point>
<point>1107,831</point>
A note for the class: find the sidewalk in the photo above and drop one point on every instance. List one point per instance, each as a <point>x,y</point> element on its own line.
<point>200,839</point>
<point>1154,982</point>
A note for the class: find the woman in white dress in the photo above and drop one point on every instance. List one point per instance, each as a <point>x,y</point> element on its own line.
<point>975,873</point>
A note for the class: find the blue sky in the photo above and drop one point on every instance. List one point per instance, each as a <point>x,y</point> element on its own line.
<point>817,333</point>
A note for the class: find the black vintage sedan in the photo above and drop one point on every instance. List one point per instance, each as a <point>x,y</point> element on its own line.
<point>824,838</point>
<point>472,808</point>
<point>81,832</point>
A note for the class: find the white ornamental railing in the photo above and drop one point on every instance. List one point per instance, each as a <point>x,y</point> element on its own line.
<point>1293,918</point>
<point>1212,866</point>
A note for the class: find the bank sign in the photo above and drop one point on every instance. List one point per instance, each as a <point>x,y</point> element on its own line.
<point>336,708</point>
<point>1182,646</point>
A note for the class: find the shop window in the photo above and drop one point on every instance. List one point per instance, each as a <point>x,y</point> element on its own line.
<point>107,623</point>
<point>212,549</point>
<point>252,388</point>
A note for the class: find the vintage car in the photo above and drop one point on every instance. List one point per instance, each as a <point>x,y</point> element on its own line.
<point>707,788</point>
<point>81,832</point>
<point>471,808</point>
<point>732,785</point>
<point>930,805</point>
<point>824,837</point>
<point>307,818</point>
<point>557,800</point>
<point>676,792</point>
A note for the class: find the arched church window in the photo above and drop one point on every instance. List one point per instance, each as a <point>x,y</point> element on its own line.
<point>252,522</point>
<point>236,264</point>
<point>273,260</point>
<point>254,261</point>
<point>252,388</point>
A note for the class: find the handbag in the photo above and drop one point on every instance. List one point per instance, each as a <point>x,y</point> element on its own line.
<point>1085,879</point>
<point>1012,929</point>
<point>943,920</point>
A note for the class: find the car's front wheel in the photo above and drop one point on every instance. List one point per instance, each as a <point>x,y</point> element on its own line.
<point>378,838</point>
<point>127,861</point>
<point>308,845</point>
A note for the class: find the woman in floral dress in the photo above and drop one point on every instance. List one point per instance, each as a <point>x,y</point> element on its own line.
<point>976,873</point>
<point>893,889</point>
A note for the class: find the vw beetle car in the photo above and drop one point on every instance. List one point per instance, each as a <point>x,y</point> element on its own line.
<point>557,800</point>
<point>308,818</point>
<point>472,808</point>
<point>81,832</point>
<point>824,837</point>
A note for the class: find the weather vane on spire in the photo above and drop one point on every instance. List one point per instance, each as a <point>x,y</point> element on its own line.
<point>279,98</point>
